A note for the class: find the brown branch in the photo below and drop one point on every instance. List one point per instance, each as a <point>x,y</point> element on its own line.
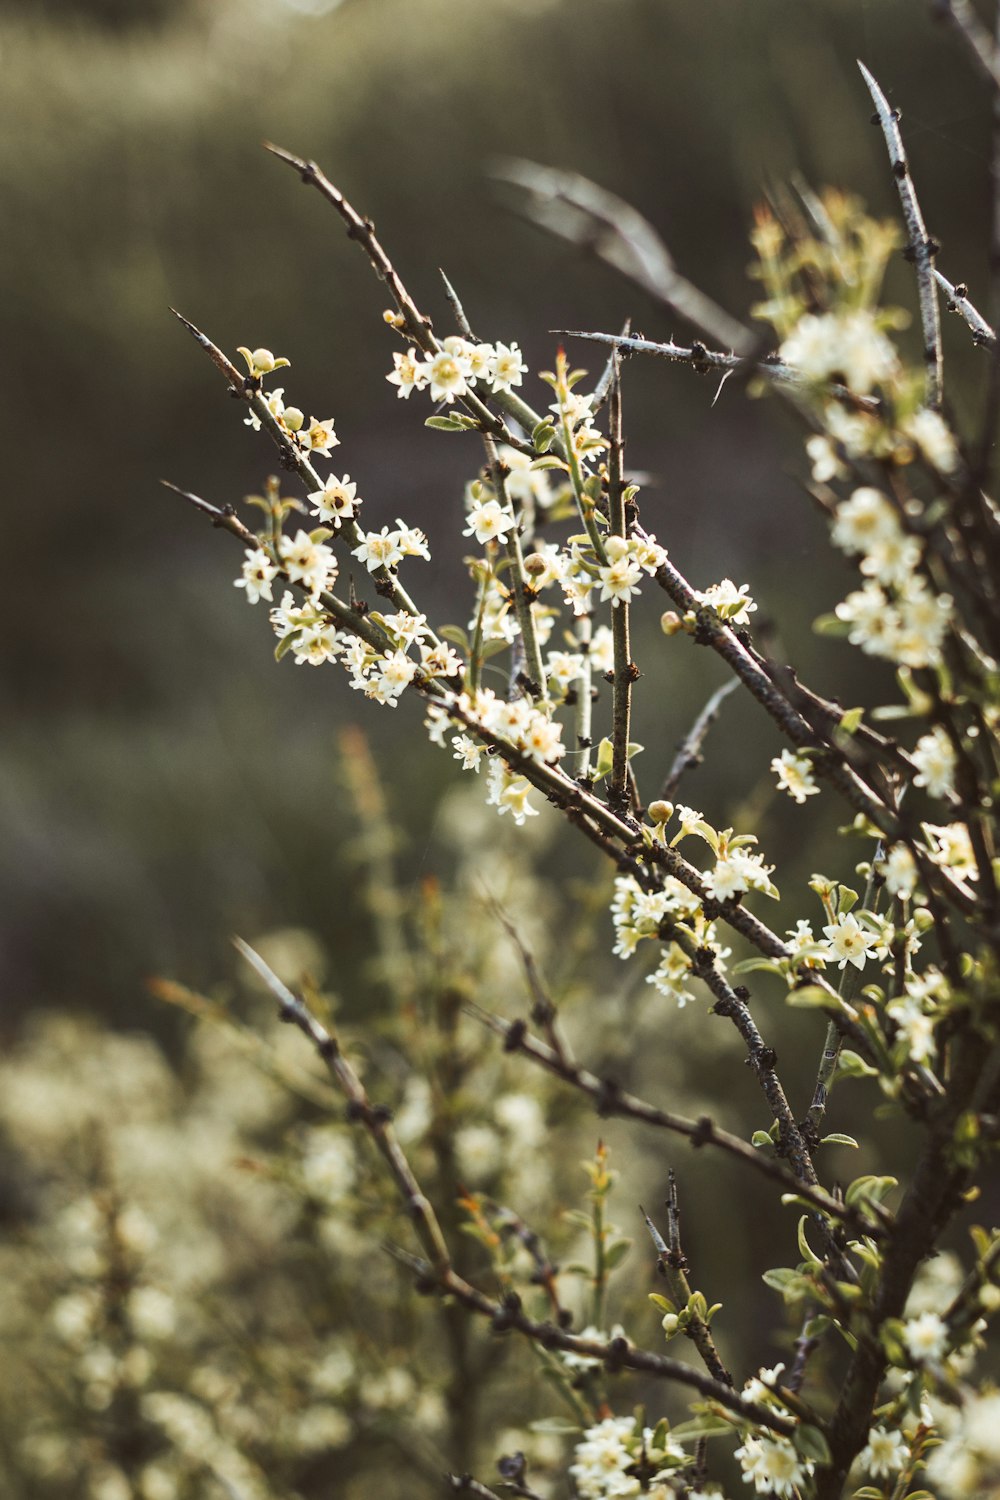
<point>611,1100</point>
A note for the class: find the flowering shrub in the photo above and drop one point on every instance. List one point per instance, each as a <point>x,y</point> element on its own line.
<point>883,1393</point>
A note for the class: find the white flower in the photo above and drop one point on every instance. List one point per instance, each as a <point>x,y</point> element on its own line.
<point>892,559</point>
<point>850,943</point>
<point>397,672</point>
<point>258,573</point>
<point>307,562</point>
<point>899,871</point>
<point>468,751</point>
<point>795,775</point>
<point>412,541</point>
<point>509,367</point>
<point>953,850</point>
<point>488,521</point>
<point>926,1337</point>
<point>620,580</point>
<point>320,437</point>
<point>508,792</point>
<point>445,376</point>
<point>867,517</point>
<point>336,500</point>
<point>542,739</point>
<point>845,345</point>
<point>479,362</point>
<point>601,1459</point>
<point>934,439</point>
<point>672,975</point>
<point>275,405</point>
<point>772,1466</point>
<point>379,549</point>
<point>885,1453</point>
<point>409,374</point>
<point>290,616</point>
<point>732,604</point>
<point>915,1027</point>
<point>736,872</point>
<point>935,759</point>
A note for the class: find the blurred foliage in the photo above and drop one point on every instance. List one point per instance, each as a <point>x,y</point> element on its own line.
<point>151,804</point>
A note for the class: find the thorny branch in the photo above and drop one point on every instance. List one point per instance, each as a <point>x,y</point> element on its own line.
<point>921,249</point>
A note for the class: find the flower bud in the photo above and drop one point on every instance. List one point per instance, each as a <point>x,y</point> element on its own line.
<point>660,811</point>
<point>263,361</point>
<point>292,418</point>
<point>671,622</point>
<point>534,564</point>
<point>669,1324</point>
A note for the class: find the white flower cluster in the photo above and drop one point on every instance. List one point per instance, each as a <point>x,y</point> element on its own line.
<point>846,345</point>
<point>528,729</point>
<point>606,1454</point>
<point>895,614</point>
<point>795,775</point>
<point>865,435</point>
<point>773,1467</point>
<point>457,368</point>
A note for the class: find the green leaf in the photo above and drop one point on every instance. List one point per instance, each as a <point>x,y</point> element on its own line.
<point>605,759</point>
<point>554,1425</point>
<point>851,721</point>
<point>445,424</point>
<point>548,462</point>
<point>850,1065</point>
<point>811,1443</point>
<point>830,625</point>
<point>706,1426</point>
<point>663,1303</point>
<point>285,644</point>
<point>320,533</point>
<point>805,1250</point>
<point>751,965</point>
<point>780,1277</point>
<point>457,636</point>
<point>839,1139</point>
<point>869,1190</point>
<point>811,997</point>
<point>615,1253</point>
<point>761,1138</point>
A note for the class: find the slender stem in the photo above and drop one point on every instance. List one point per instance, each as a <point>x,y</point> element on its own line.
<point>959,302</point>
<point>612,1100</point>
<point>921,248</point>
<point>584,698</point>
<point>673,1267</point>
<point>375,1120</point>
<point>523,593</point>
<point>727,364</point>
<point>689,751</point>
<point>624,670</point>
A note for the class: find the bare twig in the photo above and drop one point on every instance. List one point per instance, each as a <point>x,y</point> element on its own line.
<point>689,751</point>
<point>625,671</point>
<point>375,1119</point>
<point>959,302</point>
<point>702,358</point>
<point>226,519</point>
<point>983,48</point>
<point>611,1100</point>
<point>673,1267</point>
<point>921,248</point>
<point>578,210</point>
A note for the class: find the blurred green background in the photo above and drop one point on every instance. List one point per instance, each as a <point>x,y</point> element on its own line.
<point>163,782</point>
